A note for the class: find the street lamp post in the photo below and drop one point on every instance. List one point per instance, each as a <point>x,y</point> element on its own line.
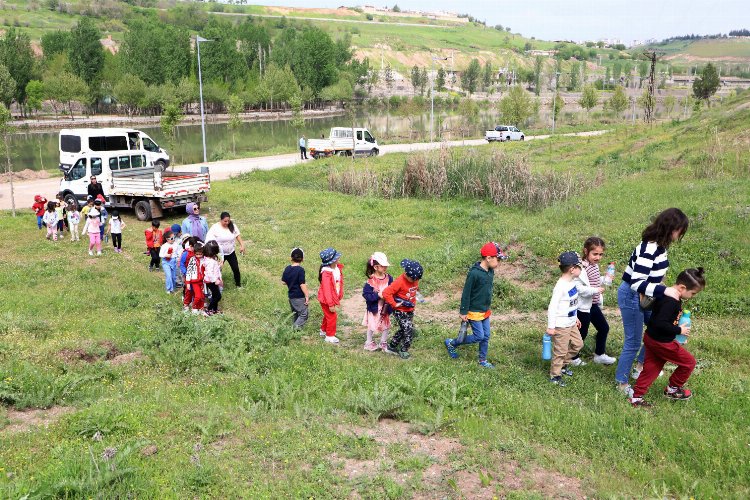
<point>198,40</point>
<point>432,94</point>
<point>554,101</point>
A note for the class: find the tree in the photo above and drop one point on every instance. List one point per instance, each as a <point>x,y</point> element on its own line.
<point>416,78</point>
<point>130,91</point>
<point>34,95</point>
<point>669,104</point>
<point>7,86</point>
<point>616,71</point>
<point>468,109</point>
<point>388,76</point>
<point>488,76</point>
<point>5,131</point>
<point>423,80</point>
<point>396,8</point>
<point>440,80</point>
<point>66,88</point>
<point>314,60</point>
<point>470,77</point>
<point>235,106</point>
<point>538,65</point>
<point>157,52</point>
<point>607,77</point>
<point>557,105</point>
<point>574,76</point>
<point>516,107</point>
<point>220,59</point>
<point>589,98</point>
<point>86,54</point>
<point>170,118</point>
<point>55,42</point>
<point>619,101</point>
<point>17,57</point>
<point>643,68</point>
<point>646,101</point>
<point>706,85</point>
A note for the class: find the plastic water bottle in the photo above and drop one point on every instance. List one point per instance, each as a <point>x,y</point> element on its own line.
<point>546,347</point>
<point>420,298</point>
<point>462,332</point>
<point>685,320</point>
<point>609,278</point>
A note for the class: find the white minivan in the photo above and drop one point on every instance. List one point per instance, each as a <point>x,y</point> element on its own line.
<point>77,141</point>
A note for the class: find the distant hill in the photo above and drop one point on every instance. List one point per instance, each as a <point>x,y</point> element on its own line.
<point>727,50</point>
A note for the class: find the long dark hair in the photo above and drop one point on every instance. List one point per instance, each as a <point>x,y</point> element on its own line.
<point>320,273</point>
<point>693,279</point>
<point>370,267</point>
<point>211,249</point>
<point>225,215</point>
<point>591,243</point>
<point>661,229</point>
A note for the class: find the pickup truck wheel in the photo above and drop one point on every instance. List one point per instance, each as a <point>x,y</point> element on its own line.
<point>374,152</point>
<point>71,200</point>
<point>521,137</point>
<point>143,210</point>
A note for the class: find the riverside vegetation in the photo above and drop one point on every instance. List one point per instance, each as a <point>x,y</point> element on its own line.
<point>241,405</point>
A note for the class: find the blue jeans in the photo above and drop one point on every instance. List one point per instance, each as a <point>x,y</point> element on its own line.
<point>39,222</point>
<point>170,273</point>
<point>633,319</point>
<point>480,333</point>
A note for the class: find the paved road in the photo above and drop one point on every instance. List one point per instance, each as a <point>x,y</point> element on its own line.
<point>220,170</point>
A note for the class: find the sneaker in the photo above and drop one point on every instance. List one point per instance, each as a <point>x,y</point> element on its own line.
<point>486,364</point>
<point>91,253</point>
<point>332,340</point>
<point>383,346</point>
<point>625,389</point>
<point>196,311</point>
<point>558,381</point>
<point>577,362</point>
<point>677,393</point>
<point>322,333</point>
<point>371,346</point>
<point>98,253</point>
<point>404,354</point>
<point>566,371</point>
<point>186,309</point>
<point>603,359</point>
<point>452,352</point>
<point>640,403</point>
<point>390,350</point>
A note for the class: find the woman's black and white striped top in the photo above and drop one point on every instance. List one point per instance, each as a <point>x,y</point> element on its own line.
<point>647,268</point>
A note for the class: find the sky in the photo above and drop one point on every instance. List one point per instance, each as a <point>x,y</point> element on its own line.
<point>627,20</point>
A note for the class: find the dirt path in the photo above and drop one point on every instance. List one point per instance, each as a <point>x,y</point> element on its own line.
<point>221,170</point>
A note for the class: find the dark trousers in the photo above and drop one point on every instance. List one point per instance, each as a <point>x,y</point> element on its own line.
<point>657,354</point>
<point>231,259</point>
<point>155,260</point>
<point>302,153</point>
<point>300,312</point>
<point>596,318</point>
<point>117,240</point>
<point>405,333</point>
<point>213,305</point>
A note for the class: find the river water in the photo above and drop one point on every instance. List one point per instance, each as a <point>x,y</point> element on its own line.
<point>39,150</point>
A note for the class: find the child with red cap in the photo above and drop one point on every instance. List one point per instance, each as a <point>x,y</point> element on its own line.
<point>475,303</point>
<point>39,206</point>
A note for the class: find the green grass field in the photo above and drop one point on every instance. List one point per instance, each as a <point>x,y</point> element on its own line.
<point>239,405</point>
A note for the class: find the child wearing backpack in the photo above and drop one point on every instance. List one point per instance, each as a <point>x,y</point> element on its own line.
<point>331,278</point>
<point>661,344</point>
<point>476,300</point>
<point>401,295</point>
<point>378,314</point>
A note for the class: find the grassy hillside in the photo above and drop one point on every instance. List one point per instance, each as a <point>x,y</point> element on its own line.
<point>696,51</point>
<point>239,405</point>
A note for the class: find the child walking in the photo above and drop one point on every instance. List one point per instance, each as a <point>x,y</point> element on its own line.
<point>401,295</point>
<point>661,344</point>
<point>92,228</point>
<point>194,276</point>
<point>299,296</point>
<point>154,238</point>
<point>476,300</point>
<point>179,239</point>
<point>212,275</point>
<point>168,255</point>
<point>39,207</point>
<point>331,278</point>
<point>185,256</point>
<point>590,297</point>
<point>378,314</point>
<point>61,209</point>
<point>50,220</point>
<point>562,323</point>
<point>74,218</point>
<point>116,225</point>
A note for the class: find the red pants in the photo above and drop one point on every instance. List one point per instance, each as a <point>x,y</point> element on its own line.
<point>657,354</point>
<point>329,321</point>
<point>194,293</point>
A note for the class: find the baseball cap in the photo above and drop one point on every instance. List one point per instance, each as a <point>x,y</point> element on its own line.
<point>380,258</point>
<point>412,269</point>
<point>570,259</point>
<point>489,249</point>
<point>176,228</point>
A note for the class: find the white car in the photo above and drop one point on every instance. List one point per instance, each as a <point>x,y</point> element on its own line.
<point>504,133</point>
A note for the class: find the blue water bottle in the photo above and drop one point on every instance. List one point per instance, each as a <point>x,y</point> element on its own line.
<point>546,347</point>
<point>684,321</point>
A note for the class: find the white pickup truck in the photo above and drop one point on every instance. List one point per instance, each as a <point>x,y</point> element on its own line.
<point>340,142</point>
<point>504,133</point>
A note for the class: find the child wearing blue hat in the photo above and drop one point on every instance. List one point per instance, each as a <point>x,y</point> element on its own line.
<point>401,295</point>
<point>331,278</point>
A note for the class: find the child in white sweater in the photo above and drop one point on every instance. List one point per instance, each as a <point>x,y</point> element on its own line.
<point>562,322</point>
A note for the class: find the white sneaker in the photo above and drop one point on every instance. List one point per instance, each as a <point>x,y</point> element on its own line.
<point>91,253</point>
<point>332,340</point>
<point>577,362</point>
<point>603,359</point>
<point>98,253</point>
<point>625,389</point>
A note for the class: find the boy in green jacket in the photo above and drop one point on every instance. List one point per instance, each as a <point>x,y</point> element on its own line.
<point>475,304</point>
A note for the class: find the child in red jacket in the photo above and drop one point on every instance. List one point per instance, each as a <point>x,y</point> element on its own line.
<point>401,295</point>
<point>331,277</point>
<point>154,239</point>
<point>194,277</point>
<point>39,206</point>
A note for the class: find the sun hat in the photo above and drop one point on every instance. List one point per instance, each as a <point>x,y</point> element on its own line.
<point>412,268</point>
<point>93,212</point>
<point>380,258</point>
<point>570,259</point>
<point>329,256</point>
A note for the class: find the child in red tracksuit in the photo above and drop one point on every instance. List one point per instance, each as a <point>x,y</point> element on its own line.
<point>401,295</point>
<point>331,277</point>
<point>39,206</point>
<point>194,277</point>
<point>661,341</point>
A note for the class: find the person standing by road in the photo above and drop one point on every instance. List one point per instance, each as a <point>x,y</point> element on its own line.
<point>302,148</point>
<point>226,233</point>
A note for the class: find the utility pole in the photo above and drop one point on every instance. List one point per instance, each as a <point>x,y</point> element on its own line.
<point>432,95</point>
<point>198,40</point>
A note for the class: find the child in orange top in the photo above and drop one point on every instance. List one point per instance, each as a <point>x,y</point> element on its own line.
<point>331,278</point>
<point>154,238</point>
<point>401,295</point>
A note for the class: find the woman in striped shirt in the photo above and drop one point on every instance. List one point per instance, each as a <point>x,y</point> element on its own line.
<point>647,268</point>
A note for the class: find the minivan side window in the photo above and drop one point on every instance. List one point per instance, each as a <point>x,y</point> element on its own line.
<point>133,140</point>
<point>150,145</point>
<point>70,143</point>
<point>108,143</point>
<point>359,135</point>
<point>78,171</point>
<point>96,166</point>
<point>124,162</point>
<point>113,164</point>
<point>136,161</point>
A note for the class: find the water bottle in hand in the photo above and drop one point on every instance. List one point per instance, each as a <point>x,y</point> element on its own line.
<point>686,321</point>
<point>461,337</point>
<point>610,276</point>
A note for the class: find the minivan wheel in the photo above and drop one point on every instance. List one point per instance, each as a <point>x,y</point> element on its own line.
<point>142,210</point>
<point>160,165</point>
<point>71,200</point>
<point>521,137</point>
